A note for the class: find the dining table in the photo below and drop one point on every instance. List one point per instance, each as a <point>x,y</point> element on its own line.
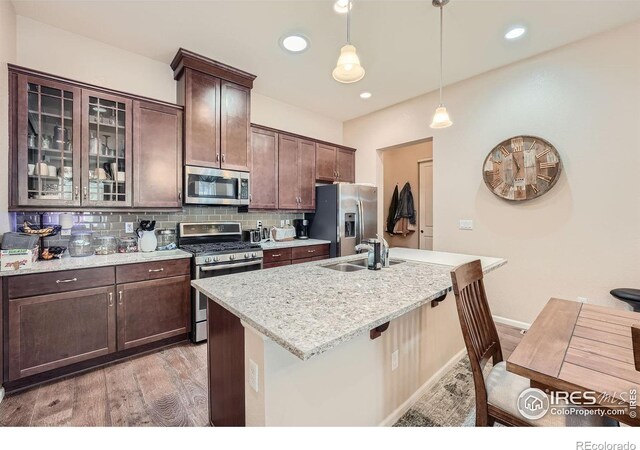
<point>586,351</point>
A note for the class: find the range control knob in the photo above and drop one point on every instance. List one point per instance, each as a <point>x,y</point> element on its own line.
<point>207,259</point>
<point>247,256</point>
<point>216,258</point>
<point>232,257</point>
<point>253,255</point>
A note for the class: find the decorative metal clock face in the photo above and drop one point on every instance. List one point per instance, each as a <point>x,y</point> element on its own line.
<point>522,168</point>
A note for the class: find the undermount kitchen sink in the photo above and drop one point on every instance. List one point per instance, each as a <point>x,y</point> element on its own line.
<point>354,266</point>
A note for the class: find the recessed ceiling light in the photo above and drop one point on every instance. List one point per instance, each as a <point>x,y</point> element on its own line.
<point>340,6</point>
<point>294,43</point>
<point>365,95</point>
<point>515,33</point>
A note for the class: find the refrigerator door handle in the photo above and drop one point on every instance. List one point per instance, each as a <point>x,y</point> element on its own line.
<point>338,233</point>
<point>361,220</point>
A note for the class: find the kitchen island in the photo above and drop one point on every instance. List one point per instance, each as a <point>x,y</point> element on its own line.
<point>331,347</point>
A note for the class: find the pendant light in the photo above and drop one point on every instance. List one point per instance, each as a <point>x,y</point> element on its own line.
<point>348,68</point>
<point>441,117</point>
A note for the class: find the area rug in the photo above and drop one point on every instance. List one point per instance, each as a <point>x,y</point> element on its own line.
<point>449,403</point>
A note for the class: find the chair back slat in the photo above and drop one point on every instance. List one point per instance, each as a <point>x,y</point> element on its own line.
<point>635,337</point>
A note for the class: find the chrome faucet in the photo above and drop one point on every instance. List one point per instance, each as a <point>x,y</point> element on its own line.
<point>384,251</point>
<point>372,246</point>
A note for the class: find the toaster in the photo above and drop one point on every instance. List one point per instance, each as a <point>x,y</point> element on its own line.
<point>283,234</point>
<point>254,235</point>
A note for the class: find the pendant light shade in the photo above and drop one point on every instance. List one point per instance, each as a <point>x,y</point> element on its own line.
<point>348,68</point>
<point>441,117</point>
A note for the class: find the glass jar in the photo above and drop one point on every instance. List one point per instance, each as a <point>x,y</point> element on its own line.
<point>80,243</point>
<point>128,245</point>
<point>105,245</point>
<point>166,239</point>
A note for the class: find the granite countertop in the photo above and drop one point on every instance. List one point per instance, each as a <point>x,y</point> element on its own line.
<point>270,245</point>
<point>70,263</point>
<point>308,309</point>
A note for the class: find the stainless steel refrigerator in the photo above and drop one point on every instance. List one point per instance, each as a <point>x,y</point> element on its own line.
<point>346,214</point>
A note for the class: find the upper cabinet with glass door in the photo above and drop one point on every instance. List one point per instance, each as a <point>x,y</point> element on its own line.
<point>106,155</point>
<point>48,138</point>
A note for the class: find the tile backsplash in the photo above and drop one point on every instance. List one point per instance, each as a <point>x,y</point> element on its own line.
<point>113,223</point>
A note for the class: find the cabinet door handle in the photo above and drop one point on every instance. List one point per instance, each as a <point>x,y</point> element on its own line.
<point>84,192</point>
<point>161,269</point>
<point>223,157</point>
<point>120,298</point>
<point>110,299</point>
<point>311,251</point>
<point>66,281</point>
<point>77,191</point>
<point>338,174</point>
<point>217,157</point>
<point>276,256</point>
<point>179,195</point>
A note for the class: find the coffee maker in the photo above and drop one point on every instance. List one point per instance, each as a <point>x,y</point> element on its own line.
<point>302,228</point>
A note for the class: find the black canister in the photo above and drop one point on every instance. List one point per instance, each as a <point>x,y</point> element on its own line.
<point>374,261</point>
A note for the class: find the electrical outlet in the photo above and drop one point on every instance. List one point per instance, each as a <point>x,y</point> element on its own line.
<point>258,223</point>
<point>582,299</point>
<point>253,375</point>
<point>128,227</point>
<point>394,360</point>
<point>287,222</point>
<point>465,224</point>
<point>281,223</point>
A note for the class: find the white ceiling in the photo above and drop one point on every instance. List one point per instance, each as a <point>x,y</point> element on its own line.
<point>397,40</point>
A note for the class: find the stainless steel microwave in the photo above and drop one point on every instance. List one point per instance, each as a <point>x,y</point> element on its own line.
<point>207,186</point>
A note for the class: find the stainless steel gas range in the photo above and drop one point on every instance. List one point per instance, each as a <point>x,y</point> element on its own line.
<point>218,250</point>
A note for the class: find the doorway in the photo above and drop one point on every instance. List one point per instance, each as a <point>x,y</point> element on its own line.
<point>425,208</point>
<point>401,165</point>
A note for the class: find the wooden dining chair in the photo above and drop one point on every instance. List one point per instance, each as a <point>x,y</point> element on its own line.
<point>497,393</point>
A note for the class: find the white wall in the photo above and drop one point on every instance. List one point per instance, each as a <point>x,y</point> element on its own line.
<point>53,50</point>
<point>580,239</point>
<point>7,55</point>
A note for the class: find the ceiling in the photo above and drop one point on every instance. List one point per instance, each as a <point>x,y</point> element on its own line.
<point>397,40</point>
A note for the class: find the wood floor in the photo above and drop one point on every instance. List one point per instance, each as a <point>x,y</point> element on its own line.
<point>167,388</point>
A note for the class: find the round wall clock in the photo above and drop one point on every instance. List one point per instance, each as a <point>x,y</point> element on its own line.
<point>521,168</point>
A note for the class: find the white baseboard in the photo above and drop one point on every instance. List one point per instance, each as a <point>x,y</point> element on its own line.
<point>402,409</point>
<point>513,323</point>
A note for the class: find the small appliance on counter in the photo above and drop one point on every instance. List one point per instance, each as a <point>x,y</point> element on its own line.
<point>147,241</point>
<point>302,228</point>
<point>287,233</point>
<point>253,235</point>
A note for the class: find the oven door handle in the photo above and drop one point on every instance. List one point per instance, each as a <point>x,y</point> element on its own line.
<point>230,266</point>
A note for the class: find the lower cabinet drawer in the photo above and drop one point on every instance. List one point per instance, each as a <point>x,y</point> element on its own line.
<point>152,270</point>
<point>63,281</point>
<point>276,264</point>
<point>277,255</point>
<point>309,251</point>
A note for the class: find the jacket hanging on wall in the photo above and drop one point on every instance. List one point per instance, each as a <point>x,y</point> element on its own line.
<point>404,219</point>
<point>391,218</point>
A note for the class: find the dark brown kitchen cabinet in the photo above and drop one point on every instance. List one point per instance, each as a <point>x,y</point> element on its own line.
<point>106,149</point>
<point>296,173</point>
<point>72,146</point>
<point>264,169</point>
<point>45,136</point>
<point>157,156</point>
<point>58,323</point>
<point>335,163</point>
<point>217,102</point>
<point>150,311</point>
<point>201,100</point>
<point>234,126</point>
<point>50,331</point>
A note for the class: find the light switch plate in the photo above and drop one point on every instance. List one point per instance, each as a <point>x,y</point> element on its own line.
<point>465,224</point>
<point>258,223</point>
<point>394,360</point>
<point>128,227</point>
<point>253,375</point>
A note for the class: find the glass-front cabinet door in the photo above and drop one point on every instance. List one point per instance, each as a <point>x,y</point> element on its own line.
<point>48,126</point>
<point>106,150</point>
